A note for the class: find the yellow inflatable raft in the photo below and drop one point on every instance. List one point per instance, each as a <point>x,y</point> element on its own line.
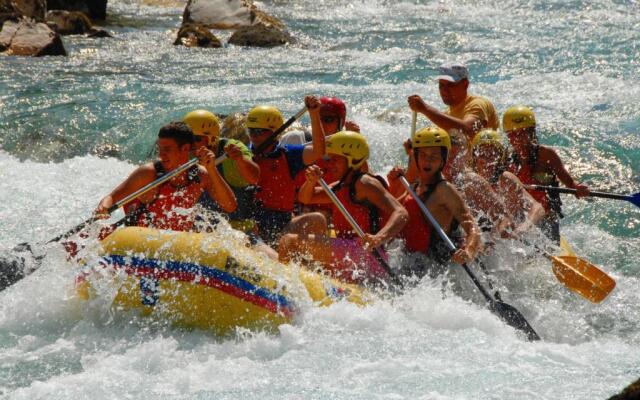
<point>193,280</point>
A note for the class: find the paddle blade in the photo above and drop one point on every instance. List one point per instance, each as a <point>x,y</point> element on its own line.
<point>635,199</point>
<point>583,277</point>
<point>514,318</point>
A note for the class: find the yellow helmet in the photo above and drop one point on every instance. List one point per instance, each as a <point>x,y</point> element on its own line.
<point>264,117</point>
<point>203,123</point>
<point>518,117</point>
<point>490,137</point>
<point>351,145</point>
<point>431,136</point>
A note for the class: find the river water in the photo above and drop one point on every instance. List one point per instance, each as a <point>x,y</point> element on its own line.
<point>575,62</point>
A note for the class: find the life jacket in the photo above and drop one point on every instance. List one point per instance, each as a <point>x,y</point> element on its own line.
<point>418,232</point>
<point>549,200</point>
<point>276,187</point>
<point>167,209</point>
<point>366,215</point>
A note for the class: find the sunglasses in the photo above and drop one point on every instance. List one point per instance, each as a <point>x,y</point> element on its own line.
<point>258,131</point>
<point>200,138</point>
<point>328,119</point>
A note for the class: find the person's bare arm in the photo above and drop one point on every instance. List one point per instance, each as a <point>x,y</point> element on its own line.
<point>518,200</point>
<point>248,169</point>
<point>315,151</point>
<point>372,190</point>
<point>469,125</point>
<point>213,183</point>
<point>461,213</point>
<point>487,200</point>
<point>140,177</point>
<point>310,192</point>
<point>552,160</point>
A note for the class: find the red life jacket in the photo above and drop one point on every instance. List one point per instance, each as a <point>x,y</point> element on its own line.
<point>276,186</point>
<point>418,231</point>
<point>364,213</point>
<point>168,210</point>
<point>524,172</point>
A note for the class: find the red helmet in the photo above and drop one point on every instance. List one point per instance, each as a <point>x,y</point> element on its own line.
<point>334,106</point>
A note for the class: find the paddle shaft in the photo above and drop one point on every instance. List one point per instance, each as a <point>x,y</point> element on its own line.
<point>356,227</point>
<point>573,191</point>
<point>274,136</point>
<point>132,196</point>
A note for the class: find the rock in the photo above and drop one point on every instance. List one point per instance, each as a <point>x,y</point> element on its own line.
<point>35,9</point>
<point>30,38</point>
<point>69,22</point>
<point>196,35</point>
<point>233,127</point>
<point>99,33</point>
<point>631,392</point>
<point>106,150</point>
<point>94,9</point>
<point>227,14</point>
<point>260,36</point>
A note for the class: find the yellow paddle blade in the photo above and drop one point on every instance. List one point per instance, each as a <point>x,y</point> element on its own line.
<point>583,277</point>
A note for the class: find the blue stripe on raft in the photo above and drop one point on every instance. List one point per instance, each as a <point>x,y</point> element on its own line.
<point>199,270</point>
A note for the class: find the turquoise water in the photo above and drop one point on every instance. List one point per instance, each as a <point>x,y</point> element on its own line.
<point>576,63</point>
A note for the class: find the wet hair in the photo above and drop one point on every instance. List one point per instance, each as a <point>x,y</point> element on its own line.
<point>178,131</point>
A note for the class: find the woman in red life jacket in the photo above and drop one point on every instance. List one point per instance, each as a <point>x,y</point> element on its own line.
<point>535,164</point>
<point>375,210</point>
<point>431,148</point>
<point>169,206</point>
<point>489,161</point>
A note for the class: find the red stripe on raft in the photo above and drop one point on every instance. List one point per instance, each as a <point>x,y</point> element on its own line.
<point>214,283</point>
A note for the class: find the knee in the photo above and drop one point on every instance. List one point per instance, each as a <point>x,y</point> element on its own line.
<point>314,223</point>
<point>287,246</point>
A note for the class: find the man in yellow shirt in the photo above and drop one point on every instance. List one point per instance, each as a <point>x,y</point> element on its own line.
<point>466,113</point>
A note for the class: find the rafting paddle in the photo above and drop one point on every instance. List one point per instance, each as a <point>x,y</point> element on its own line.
<point>506,312</point>
<point>12,269</point>
<point>633,198</point>
<point>359,231</point>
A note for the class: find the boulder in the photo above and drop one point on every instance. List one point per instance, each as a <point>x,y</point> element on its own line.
<point>227,14</point>
<point>69,22</point>
<point>631,392</point>
<point>196,35</point>
<point>94,9</point>
<point>30,38</point>
<point>35,9</point>
<point>260,36</point>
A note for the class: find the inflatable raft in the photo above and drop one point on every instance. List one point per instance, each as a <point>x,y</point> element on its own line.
<point>203,281</point>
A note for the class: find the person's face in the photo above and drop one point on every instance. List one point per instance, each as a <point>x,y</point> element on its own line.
<point>259,135</point>
<point>486,159</point>
<point>453,93</point>
<point>171,155</point>
<point>330,123</point>
<point>430,161</point>
<point>520,140</point>
<point>200,141</point>
<point>338,165</point>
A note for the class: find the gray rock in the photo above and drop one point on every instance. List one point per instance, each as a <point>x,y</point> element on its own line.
<point>30,38</point>
<point>260,36</point>
<point>195,35</point>
<point>227,14</point>
<point>94,9</point>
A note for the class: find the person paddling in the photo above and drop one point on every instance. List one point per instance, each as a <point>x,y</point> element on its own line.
<point>279,164</point>
<point>431,147</point>
<point>238,169</point>
<point>365,197</point>
<point>535,164</point>
<point>466,113</point>
<point>489,161</point>
<point>170,205</point>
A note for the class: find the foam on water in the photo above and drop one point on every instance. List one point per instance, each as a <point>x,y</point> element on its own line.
<point>575,62</point>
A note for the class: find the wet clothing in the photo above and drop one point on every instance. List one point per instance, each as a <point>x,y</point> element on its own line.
<point>172,205</point>
<point>551,202</point>
<point>352,263</point>
<point>276,190</point>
